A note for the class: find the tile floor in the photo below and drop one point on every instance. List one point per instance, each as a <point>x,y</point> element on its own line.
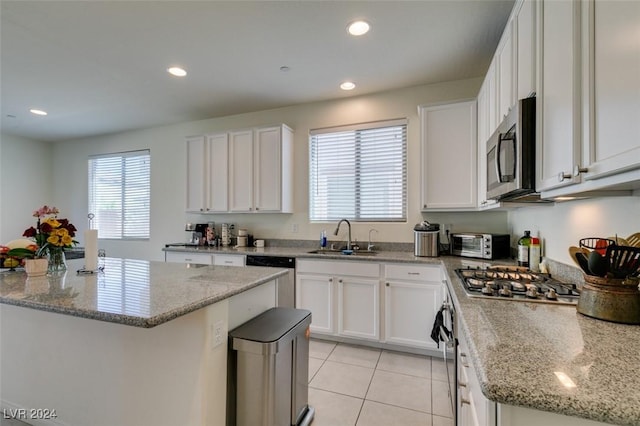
<point>360,386</point>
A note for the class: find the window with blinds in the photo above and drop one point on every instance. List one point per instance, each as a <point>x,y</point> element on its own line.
<point>120,193</point>
<point>359,172</point>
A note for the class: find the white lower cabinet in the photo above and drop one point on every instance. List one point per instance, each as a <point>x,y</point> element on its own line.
<point>474,409</point>
<point>412,294</point>
<point>200,258</point>
<point>343,297</point>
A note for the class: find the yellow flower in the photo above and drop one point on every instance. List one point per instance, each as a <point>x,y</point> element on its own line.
<point>53,239</point>
<point>52,222</point>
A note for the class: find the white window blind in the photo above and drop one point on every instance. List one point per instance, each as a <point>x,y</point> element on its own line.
<point>359,172</point>
<point>119,194</point>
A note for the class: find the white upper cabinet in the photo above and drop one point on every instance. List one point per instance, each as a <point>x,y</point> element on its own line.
<point>505,64</point>
<point>197,174</point>
<point>525,51</point>
<point>483,136</point>
<point>612,88</point>
<point>449,156</point>
<point>558,106</point>
<point>206,189</point>
<point>273,169</point>
<point>242,171</point>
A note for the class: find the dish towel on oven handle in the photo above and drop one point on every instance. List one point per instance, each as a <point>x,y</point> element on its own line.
<point>439,328</point>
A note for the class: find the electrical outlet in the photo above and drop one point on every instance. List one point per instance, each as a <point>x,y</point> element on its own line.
<point>294,228</point>
<point>217,334</point>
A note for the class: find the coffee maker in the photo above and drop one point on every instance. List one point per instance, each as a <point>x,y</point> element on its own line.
<point>196,233</point>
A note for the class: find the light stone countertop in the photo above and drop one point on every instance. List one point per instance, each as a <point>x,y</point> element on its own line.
<point>132,292</point>
<point>518,347</point>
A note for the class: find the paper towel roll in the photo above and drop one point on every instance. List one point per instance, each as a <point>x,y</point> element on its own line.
<point>91,249</point>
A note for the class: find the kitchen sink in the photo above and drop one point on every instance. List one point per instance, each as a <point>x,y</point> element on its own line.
<point>357,253</point>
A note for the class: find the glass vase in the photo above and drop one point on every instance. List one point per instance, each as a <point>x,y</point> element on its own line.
<point>57,261</point>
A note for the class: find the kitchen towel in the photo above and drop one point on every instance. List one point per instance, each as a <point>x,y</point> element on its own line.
<point>91,249</point>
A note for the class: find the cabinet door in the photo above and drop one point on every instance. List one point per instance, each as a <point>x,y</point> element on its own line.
<point>615,145</point>
<point>504,55</point>
<point>358,308</point>
<point>196,174</point>
<point>241,171</point>
<point>229,259</point>
<point>315,293</point>
<point>558,107</point>
<point>525,49</point>
<point>268,168</point>
<point>218,172</point>
<point>483,137</point>
<point>492,97</point>
<point>449,156</point>
<point>410,309</point>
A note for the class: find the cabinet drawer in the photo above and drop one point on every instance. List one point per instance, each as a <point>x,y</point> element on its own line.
<point>413,272</point>
<point>201,258</point>
<point>329,267</point>
<point>229,260</point>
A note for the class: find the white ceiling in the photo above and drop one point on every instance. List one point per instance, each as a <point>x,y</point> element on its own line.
<point>99,67</point>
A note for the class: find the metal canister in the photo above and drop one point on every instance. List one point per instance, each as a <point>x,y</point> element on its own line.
<point>426,239</point>
<point>610,299</point>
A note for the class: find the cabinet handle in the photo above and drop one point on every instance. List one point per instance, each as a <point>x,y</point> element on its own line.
<point>464,401</point>
<point>413,273</point>
<point>462,385</point>
<point>228,262</point>
<point>340,281</point>
<point>577,170</point>
<point>424,206</point>
<point>257,208</point>
<point>563,175</point>
<point>387,284</point>
<point>330,280</point>
<point>187,260</point>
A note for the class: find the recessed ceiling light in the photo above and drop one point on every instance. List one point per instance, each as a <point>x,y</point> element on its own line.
<point>37,111</point>
<point>177,71</point>
<point>358,28</point>
<point>348,85</point>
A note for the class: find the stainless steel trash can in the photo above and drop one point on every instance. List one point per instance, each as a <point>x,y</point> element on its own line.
<point>270,355</point>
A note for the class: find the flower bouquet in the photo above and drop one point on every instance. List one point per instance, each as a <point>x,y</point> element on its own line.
<point>51,236</point>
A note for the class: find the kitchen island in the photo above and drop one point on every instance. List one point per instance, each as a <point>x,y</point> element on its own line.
<point>141,343</point>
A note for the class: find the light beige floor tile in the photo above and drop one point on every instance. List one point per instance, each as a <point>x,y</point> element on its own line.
<point>342,378</point>
<point>376,414</point>
<point>356,355</point>
<point>333,409</point>
<point>438,370</point>
<point>413,365</point>
<point>314,366</point>
<point>320,348</point>
<point>401,390</point>
<point>440,399</point>
<point>441,421</point>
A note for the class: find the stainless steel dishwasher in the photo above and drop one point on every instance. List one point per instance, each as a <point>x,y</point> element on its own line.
<point>269,369</point>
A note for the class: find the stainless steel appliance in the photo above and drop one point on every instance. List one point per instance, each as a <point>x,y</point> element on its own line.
<point>286,285</point>
<point>426,239</point>
<point>517,283</point>
<point>481,246</point>
<point>511,154</point>
<point>268,370</point>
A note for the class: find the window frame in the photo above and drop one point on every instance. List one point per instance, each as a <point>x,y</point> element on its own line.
<point>359,215</point>
<point>144,154</point>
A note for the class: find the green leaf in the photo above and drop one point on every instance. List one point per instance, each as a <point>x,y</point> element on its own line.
<point>20,253</point>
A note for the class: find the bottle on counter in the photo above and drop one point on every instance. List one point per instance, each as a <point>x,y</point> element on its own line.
<point>323,239</point>
<point>523,249</point>
<point>534,254</point>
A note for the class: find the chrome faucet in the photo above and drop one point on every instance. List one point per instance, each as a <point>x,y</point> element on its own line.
<point>338,228</point>
<point>370,246</point>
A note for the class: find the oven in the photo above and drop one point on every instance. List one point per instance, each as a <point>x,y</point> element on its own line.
<point>445,332</point>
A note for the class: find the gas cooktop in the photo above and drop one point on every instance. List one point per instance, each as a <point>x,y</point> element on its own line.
<point>517,283</point>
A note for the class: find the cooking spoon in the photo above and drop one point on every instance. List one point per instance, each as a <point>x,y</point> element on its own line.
<point>598,264</point>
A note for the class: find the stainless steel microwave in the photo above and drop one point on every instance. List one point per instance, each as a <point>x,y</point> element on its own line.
<point>481,246</point>
<point>511,154</point>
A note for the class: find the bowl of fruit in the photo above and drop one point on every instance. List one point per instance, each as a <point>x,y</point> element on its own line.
<point>12,262</point>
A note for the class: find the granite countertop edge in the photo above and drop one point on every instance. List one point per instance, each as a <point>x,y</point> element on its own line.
<point>142,322</point>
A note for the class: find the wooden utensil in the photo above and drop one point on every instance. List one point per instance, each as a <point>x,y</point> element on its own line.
<point>580,257</point>
<point>633,240</point>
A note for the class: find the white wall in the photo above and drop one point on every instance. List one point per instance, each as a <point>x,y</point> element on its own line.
<point>564,224</point>
<point>25,183</point>
<point>168,169</point>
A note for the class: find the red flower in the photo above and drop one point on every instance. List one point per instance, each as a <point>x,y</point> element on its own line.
<point>45,228</point>
<point>31,232</point>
